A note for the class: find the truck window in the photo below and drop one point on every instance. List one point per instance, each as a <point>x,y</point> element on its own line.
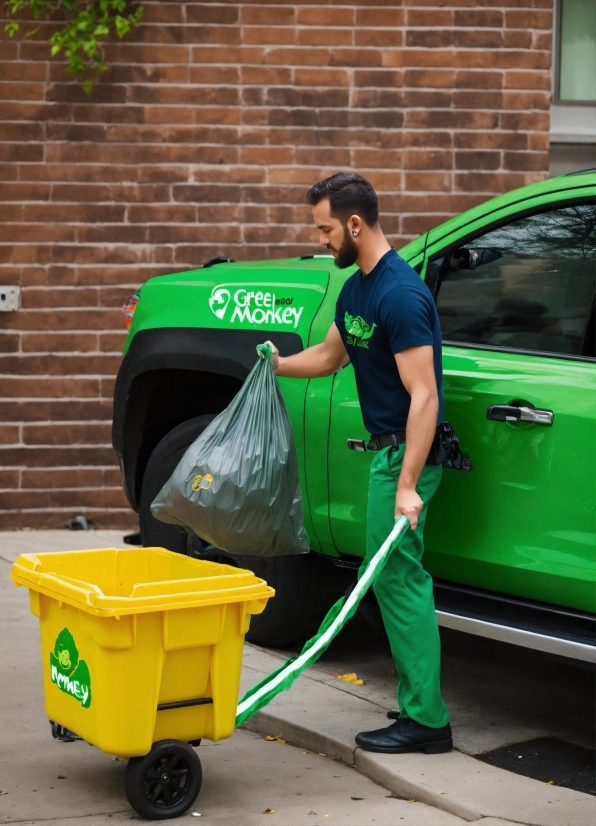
<point>528,285</point>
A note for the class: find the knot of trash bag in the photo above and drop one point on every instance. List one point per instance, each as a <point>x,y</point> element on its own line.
<point>264,351</point>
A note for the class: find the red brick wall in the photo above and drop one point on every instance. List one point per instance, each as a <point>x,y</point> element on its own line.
<point>201,140</point>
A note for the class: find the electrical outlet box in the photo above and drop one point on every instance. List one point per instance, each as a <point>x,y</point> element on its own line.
<point>10,299</point>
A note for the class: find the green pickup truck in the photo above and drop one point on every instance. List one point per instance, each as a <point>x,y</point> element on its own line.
<point>511,538</point>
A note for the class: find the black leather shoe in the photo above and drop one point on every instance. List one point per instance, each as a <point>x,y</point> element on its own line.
<point>406,735</point>
<point>393,715</point>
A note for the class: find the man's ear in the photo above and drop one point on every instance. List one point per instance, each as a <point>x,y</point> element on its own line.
<point>354,225</point>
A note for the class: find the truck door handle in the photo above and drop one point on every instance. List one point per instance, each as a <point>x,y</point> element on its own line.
<point>513,413</point>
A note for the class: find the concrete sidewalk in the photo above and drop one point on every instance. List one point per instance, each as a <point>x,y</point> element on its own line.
<point>322,715</point>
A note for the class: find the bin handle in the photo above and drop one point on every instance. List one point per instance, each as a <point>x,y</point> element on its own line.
<point>200,701</point>
<point>64,586</point>
<point>79,583</point>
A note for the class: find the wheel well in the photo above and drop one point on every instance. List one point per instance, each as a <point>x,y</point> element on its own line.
<point>160,400</point>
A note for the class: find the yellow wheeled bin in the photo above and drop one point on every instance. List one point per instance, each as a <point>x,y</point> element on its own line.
<point>141,656</point>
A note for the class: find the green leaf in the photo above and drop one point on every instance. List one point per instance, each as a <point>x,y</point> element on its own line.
<point>40,8</point>
<point>14,6</point>
<point>74,65</point>
<point>90,47</point>
<point>122,26</point>
<point>84,25</point>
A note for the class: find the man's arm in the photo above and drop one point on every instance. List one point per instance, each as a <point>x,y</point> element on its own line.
<point>416,368</point>
<point>320,360</point>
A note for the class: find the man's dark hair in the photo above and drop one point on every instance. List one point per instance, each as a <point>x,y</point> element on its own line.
<point>349,194</point>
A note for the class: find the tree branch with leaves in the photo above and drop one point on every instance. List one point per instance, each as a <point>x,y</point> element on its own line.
<point>87,24</point>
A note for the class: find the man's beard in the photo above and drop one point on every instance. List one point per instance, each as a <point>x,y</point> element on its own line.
<point>347,253</point>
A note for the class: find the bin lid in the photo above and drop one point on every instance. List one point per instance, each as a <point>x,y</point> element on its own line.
<point>114,581</point>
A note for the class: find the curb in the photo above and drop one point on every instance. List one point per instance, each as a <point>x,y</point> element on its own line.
<point>325,719</point>
<point>370,764</point>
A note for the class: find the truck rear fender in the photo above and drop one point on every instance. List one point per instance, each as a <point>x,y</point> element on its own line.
<point>170,375</point>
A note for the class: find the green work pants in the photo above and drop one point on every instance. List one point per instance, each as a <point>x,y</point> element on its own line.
<point>404,592</point>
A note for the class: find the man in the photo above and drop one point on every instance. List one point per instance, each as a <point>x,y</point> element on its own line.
<point>386,324</point>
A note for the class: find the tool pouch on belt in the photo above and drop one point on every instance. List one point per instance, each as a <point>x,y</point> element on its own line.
<point>445,448</point>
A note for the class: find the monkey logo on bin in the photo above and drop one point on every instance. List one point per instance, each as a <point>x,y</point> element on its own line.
<point>67,671</point>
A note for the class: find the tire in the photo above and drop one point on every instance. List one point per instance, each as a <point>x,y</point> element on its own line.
<point>286,618</point>
<point>160,467</point>
<point>165,782</point>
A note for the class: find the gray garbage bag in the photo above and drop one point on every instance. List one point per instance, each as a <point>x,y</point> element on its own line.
<point>237,485</point>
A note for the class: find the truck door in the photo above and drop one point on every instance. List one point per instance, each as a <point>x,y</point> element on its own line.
<point>516,305</point>
<point>348,469</point>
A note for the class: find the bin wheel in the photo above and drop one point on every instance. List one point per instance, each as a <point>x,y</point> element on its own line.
<point>165,782</point>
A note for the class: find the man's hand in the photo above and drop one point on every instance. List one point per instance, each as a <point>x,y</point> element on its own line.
<point>274,354</point>
<point>320,360</point>
<point>408,503</point>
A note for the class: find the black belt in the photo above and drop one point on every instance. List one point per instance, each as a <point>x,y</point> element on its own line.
<point>445,449</point>
<point>378,442</point>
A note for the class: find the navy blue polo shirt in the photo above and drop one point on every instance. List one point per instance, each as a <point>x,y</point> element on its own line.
<point>378,315</point>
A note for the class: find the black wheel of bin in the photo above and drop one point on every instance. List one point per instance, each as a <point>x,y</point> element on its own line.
<point>160,467</point>
<point>165,782</point>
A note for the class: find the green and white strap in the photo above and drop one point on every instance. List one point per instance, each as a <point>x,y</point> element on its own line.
<point>282,678</point>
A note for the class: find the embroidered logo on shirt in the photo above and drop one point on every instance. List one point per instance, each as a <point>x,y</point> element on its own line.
<point>358,331</point>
